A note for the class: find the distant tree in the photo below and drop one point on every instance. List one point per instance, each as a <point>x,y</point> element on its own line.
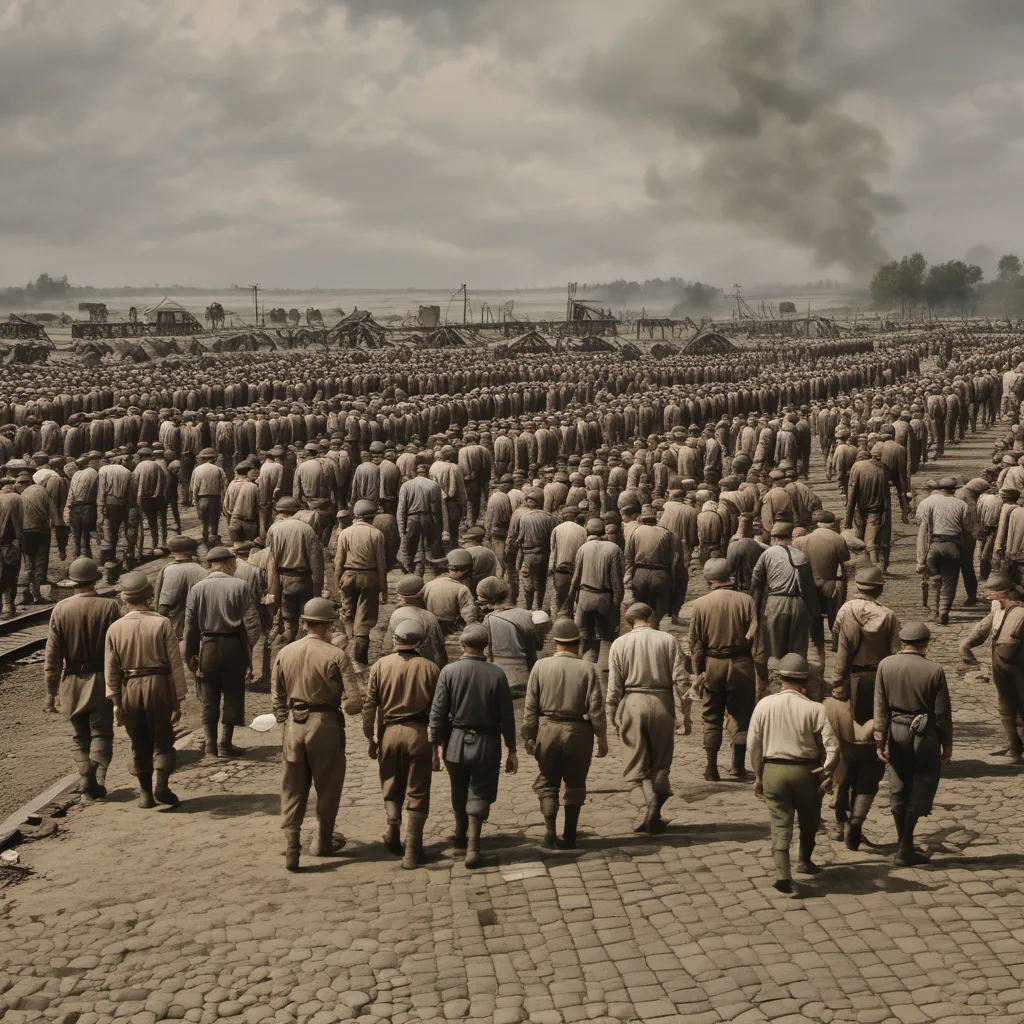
<point>885,286</point>
<point>1009,269</point>
<point>953,286</point>
<point>45,287</point>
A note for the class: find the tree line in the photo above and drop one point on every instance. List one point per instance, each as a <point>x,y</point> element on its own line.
<point>685,295</point>
<point>951,287</point>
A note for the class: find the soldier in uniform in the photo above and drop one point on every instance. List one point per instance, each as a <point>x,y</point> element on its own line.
<point>471,714</point>
<point>533,544</point>
<point>654,561</point>
<point>396,714</point>
<point>419,513</point>
<point>207,491</point>
<point>644,668</point>
<point>512,639</point>
<point>312,682</point>
<point>913,732</point>
<point>176,580</point>
<point>145,681</point>
<point>448,597</point>
<point>787,736</point>
<point>10,544</point>
<point>361,567</point>
<point>484,561</point>
<point>82,504</point>
<point>74,673</point>
<point>564,714</point>
<point>38,517</point>
<point>242,506</point>
<point>566,539</point>
<point>411,608</point>
<point>221,629</point>
<point>945,526</point>
<point>295,570</point>
<point>866,632</point>
<point>597,589</point>
<point>725,648</point>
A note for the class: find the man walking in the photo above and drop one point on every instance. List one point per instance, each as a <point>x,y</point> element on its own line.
<point>361,568</point>
<point>312,682</point>
<point>788,734</point>
<point>563,716</point>
<point>73,668</point>
<point>644,668</point>
<point>945,527</point>
<point>913,732</point>
<point>396,714</point>
<point>471,714</point>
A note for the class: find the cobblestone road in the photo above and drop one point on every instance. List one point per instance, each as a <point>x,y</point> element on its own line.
<point>189,914</point>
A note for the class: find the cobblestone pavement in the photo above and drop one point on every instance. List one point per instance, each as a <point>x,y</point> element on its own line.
<point>189,914</point>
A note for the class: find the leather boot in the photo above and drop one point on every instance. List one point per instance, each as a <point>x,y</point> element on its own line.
<point>739,757</point>
<point>414,854</point>
<point>549,810</point>
<point>805,865</point>
<point>783,872</point>
<point>854,834</point>
<point>292,850</point>
<point>162,791</point>
<point>840,830</point>
<point>459,837</point>
<point>572,820</point>
<point>8,612</point>
<point>393,832</point>
<point>101,776</point>
<point>227,748</point>
<point>473,858</point>
<point>327,841</point>
<point>83,774</point>
<point>210,732</point>
<point>711,771</point>
<point>656,825</point>
<point>146,789</point>
<point>361,645</point>
<point>90,787</point>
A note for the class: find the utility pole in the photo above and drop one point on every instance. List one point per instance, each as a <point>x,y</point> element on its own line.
<point>465,304</point>
<point>256,304</point>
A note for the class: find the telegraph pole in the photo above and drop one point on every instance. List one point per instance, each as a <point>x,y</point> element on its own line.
<point>256,303</point>
<point>465,304</point>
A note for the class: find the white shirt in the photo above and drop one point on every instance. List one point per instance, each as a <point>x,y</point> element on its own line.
<point>787,726</point>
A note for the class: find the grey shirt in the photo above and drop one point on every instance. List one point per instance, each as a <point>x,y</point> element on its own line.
<point>220,604</point>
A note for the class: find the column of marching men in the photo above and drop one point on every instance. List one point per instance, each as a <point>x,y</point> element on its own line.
<point>576,523</point>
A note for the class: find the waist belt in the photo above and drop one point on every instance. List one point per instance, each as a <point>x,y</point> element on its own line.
<point>203,633</point>
<point>138,673</point>
<point>244,519</point>
<point>949,540</point>
<point>650,568</point>
<point>564,569</point>
<point>772,593</point>
<point>420,719</point>
<point>729,652</point>
<point>533,549</point>
<point>295,572</point>
<point>557,716</point>
<point>863,668</point>
<point>595,590</point>
<point>357,568</point>
<point>480,731</point>
<point>792,760</point>
<point>83,668</point>
<point>301,705</point>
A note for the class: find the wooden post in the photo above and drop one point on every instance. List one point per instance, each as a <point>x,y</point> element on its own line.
<point>465,303</point>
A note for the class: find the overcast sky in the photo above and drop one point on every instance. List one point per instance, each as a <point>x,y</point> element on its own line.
<point>359,143</point>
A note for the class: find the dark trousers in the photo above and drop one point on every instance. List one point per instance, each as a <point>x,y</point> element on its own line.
<point>295,592</point>
<point>967,569</point>
<point>533,575</point>
<point>147,706</point>
<point>944,560</point>
<point>653,587</point>
<point>208,509</point>
<point>420,541</point>
<point>598,619</point>
<point>474,787</point>
<point>223,662</point>
<point>561,580</point>
<point>730,686</point>
<point>862,773</point>
<point>152,508</point>
<point>915,765</point>
<point>94,733</point>
<point>35,556</point>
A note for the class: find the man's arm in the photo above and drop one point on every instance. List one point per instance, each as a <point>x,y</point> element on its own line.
<point>191,634</point>
<point>531,709</point>
<point>439,711</point>
<point>351,695</point>
<point>696,639</point>
<point>173,654</point>
<point>382,567</point>
<point>53,663</point>
<point>279,692</point>
<point>467,609</point>
<point>371,703</point>
<point>595,705</point>
<point>250,617</point>
<point>923,538</point>
<point>315,554</point>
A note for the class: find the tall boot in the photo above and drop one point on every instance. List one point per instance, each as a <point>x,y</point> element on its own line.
<point>805,865</point>
<point>90,787</point>
<point>549,809</point>
<point>227,748</point>
<point>393,832</point>
<point>572,820</point>
<point>459,837</point>
<point>146,789</point>
<point>711,771</point>
<point>739,756</point>
<point>645,794</point>
<point>907,855</point>
<point>473,858</point>
<point>414,854</point>
<point>210,732</point>
<point>100,771</point>
<point>656,825</point>
<point>361,645</point>
<point>292,850</point>
<point>162,791</point>
<point>327,841</point>
<point>783,872</point>
<point>855,833</point>
<point>8,612</point>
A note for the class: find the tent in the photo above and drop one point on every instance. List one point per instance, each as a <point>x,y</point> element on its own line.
<point>662,350</point>
<point>94,347</point>
<point>171,317</point>
<point>630,351</point>
<point>358,330</point>
<point>530,343</point>
<point>25,352</point>
<point>591,343</point>
<point>446,337</point>
<point>710,343</point>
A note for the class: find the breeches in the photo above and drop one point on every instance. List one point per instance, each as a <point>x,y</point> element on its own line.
<point>564,751</point>
<point>405,766</point>
<point>791,791</point>
<point>647,724</point>
<point>223,661</point>
<point>360,600</point>
<point>730,686</point>
<point>147,705</point>
<point>312,754</point>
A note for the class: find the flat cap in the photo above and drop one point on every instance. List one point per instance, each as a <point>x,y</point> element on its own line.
<point>565,631</point>
<point>288,504</point>
<point>915,633</point>
<point>219,554</point>
<point>492,588</point>
<point>716,570</point>
<point>782,529</point>
<point>948,483</point>
<point>475,636</point>
<point>364,507</point>
<point>475,533</point>
<point>182,543</point>
<point>869,576</point>
<point>408,633</point>
<point>595,527</point>
<point>409,586</point>
<point>135,586</point>
<point>997,583</point>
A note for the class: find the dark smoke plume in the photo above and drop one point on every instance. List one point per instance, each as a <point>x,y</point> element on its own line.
<point>763,138</point>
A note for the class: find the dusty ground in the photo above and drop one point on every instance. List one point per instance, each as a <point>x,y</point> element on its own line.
<point>188,914</point>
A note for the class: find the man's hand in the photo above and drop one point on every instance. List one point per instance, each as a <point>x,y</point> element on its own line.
<point>372,751</point>
<point>50,707</point>
<point>602,746</point>
<point>967,656</point>
<point>759,789</point>
<point>531,747</point>
<point>118,716</point>
<point>882,752</point>
<point>383,597</point>
<point>193,663</point>
<point>435,760</point>
<point>922,569</point>
<point>826,783</point>
<point>511,763</point>
<point>947,752</point>
<point>175,716</point>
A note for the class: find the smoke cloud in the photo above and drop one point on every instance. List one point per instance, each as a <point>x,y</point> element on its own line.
<point>763,134</point>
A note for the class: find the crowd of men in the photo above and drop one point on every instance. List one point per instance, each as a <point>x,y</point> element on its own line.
<point>564,502</point>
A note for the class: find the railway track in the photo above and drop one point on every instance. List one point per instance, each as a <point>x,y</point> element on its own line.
<point>24,634</point>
